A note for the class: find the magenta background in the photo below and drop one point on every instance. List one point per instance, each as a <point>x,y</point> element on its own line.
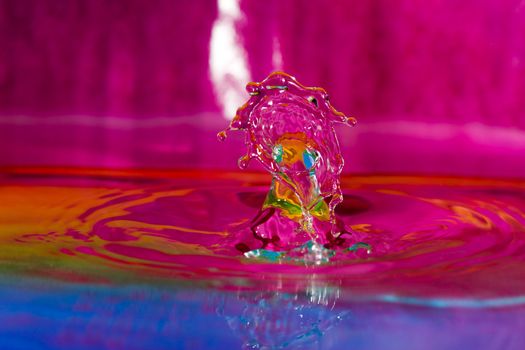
<point>436,86</point>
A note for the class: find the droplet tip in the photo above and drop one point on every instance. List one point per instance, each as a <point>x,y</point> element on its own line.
<point>351,121</point>
<point>221,136</point>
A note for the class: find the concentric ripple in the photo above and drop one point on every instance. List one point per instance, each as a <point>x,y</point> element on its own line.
<point>439,237</point>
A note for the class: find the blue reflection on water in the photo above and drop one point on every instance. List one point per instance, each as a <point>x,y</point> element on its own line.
<point>41,314</point>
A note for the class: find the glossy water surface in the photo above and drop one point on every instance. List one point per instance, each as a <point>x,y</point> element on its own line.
<point>141,259</point>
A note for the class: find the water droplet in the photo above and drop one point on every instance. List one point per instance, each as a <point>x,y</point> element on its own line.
<point>221,136</point>
<point>351,121</point>
<point>243,162</point>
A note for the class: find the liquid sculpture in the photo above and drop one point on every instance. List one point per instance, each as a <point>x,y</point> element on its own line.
<point>290,130</point>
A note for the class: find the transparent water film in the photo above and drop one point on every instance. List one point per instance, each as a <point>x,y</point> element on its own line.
<point>290,131</point>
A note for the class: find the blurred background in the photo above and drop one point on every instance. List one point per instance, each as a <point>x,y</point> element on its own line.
<point>437,87</point>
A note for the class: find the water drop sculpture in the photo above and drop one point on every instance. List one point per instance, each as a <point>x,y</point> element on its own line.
<point>290,130</point>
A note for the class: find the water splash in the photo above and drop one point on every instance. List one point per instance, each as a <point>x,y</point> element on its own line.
<point>290,130</point>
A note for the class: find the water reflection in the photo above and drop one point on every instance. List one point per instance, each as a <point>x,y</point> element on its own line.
<point>45,314</point>
<point>278,319</point>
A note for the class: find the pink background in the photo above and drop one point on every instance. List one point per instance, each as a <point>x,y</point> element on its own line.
<point>438,87</point>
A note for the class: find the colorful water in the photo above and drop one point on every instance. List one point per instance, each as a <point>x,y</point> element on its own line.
<point>138,259</point>
<point>290,131</point>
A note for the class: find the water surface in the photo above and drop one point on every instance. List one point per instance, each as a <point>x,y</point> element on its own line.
<point>137,259</point>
